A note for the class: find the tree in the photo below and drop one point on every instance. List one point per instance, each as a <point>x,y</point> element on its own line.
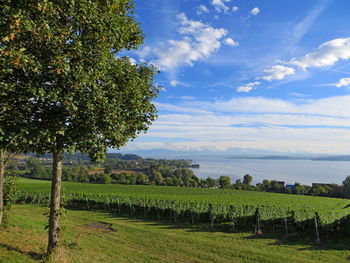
<point>238,184</point>
<point>37,169</point>
<point>346,187</point>
<point>247,179</point>
<point>65,82</point>
<point>211,182</point>
<point>106,179</point>
<point>224,182</point>
<point>157,178</point>
<point>141,178</point>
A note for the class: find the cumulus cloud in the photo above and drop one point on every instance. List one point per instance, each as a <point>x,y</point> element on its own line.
<point>132,61</point>
<point>278,72</point>
<point>248,87</point>
<point>229,41</point>
<point>255,11</point>
<point>327,54</point>
<point>235,8</point>
<point>343,82</point>
<point>220,5</point>
<point>244,88</point>
<point>199,41</point>
<point>202,9</point>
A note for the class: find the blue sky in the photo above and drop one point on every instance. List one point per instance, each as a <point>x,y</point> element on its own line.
<point>248,75</point>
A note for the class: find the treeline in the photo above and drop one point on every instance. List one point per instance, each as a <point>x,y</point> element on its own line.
<point>114,161</point>
<point>84,157</point>
<point>168,173</point>
<point>142,164</point>
<point>327,190</point>
<point>158,172</point>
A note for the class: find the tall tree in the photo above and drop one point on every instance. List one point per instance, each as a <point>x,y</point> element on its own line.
<point>225,181</point>
<point>74,93</point>
<point>346,187</point>
<point>247,179</point>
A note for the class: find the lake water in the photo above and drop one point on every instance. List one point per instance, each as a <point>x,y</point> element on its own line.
<point>290,171</point>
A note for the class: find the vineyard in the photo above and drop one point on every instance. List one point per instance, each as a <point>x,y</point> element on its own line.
<point>236,209</point>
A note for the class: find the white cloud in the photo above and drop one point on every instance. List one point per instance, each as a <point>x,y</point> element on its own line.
<point>235,8</point>
<point>244,88</point>
<point>255,11</point>
<point>343,82</point>
<point>251,84</point>
<point>173,83</point>
<point>199,41</point>
<point>182,97</point>
<point>294,35</point>
<point>132,61</point>
<point>253,123</point>
<point>220,5</point>
<point>327,54</point>
<point>202,9</point>
<point>229,41</point>
<point>248,87</point>
<point>176,108</point>
<point>331,106</point>
<point>278,72</point>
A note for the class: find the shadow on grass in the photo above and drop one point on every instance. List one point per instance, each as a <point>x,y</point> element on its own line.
<point>32,255</point>
<point>307,240</point>
<point>335,241</point>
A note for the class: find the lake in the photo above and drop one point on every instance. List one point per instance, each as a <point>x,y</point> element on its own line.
<point>290,171</point>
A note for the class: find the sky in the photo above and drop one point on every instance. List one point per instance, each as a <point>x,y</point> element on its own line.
<point>247,75</point>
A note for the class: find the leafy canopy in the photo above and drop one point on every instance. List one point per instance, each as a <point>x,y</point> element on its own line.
<point>62,85</point>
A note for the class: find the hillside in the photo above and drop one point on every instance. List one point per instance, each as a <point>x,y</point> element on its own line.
<point>126,240</point>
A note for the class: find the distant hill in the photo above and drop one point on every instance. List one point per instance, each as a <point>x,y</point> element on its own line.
<point>270,157</point>
<point>333,158</point>
<point>80,156</point>
<point>283,157</point>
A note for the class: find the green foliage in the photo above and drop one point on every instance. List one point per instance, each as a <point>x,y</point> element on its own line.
<point>63,86</point>
<point>10,193</point>
<point>141,178</point>
<point>106,179</point>
<point>210,183</point>
<point>225,182</point>
<point>38,170</point>
<point>75,173</point>
<point>346,187</point>
<point>247,179</point>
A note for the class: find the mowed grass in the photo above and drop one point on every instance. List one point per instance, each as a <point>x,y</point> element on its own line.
<point>148,241</point>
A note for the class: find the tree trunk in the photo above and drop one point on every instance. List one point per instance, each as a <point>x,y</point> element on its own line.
<point>2,179</point>
<point>55,201</point>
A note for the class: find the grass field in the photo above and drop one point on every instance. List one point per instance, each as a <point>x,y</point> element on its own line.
<point>139,241</point>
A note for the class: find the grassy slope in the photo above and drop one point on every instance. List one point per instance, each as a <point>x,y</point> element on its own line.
<point>139,241</point>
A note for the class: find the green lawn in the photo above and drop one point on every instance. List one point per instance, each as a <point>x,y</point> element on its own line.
<point>148,241</point>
